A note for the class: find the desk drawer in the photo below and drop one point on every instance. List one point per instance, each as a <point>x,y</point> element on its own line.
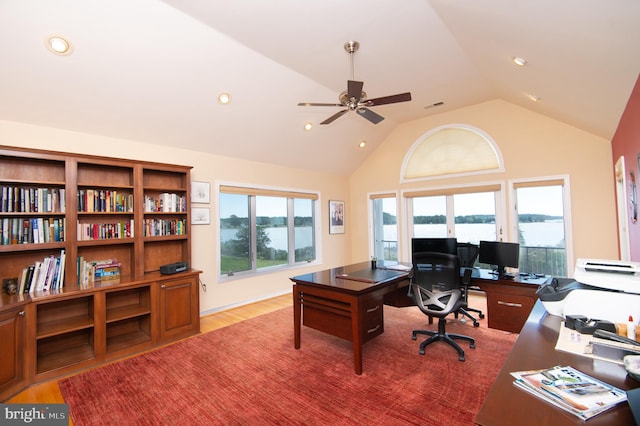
<point>508,312</point>
<point>371,314</point>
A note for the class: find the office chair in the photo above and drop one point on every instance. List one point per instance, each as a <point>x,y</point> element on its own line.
<point>435,285</point>
<point>468,253</point>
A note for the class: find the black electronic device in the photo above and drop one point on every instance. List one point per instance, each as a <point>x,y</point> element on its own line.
<point>174,268</point>
<point>439,245</point>
<point>501,255</point>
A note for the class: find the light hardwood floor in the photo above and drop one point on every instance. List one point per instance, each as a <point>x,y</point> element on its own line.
<point>49,392</point>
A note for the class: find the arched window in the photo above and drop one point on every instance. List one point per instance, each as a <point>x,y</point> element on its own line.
<point>451,150</point>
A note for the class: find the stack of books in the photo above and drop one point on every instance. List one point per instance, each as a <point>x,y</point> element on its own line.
<point>90,271</point>
<point>571,390</point>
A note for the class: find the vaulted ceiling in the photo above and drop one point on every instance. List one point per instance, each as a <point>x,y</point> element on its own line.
<point>151,70</point>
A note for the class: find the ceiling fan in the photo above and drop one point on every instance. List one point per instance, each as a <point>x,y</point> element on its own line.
<point>354,99</point>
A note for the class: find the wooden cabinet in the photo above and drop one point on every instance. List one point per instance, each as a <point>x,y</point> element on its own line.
<point>60,210</point>
<point>179,312</point>
<point>12,330</point>
<point>509,303</point>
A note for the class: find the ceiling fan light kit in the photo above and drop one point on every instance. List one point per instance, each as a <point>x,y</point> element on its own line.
<point>355,99</point>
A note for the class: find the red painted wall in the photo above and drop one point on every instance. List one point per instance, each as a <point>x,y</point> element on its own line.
<point>626,141</point>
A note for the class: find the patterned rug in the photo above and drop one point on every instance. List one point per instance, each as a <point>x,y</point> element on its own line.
<point>250,374</point>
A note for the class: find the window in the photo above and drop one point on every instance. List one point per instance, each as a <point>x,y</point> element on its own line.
<point>385,227</point>
<point>263,229</point>
<point>467,213</point>
<point>541,225</point>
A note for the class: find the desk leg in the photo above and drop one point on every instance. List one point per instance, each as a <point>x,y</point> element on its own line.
<point>357,336</point>
<point>297,310</point>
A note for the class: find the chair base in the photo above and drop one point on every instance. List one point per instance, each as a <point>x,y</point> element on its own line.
<point>442,335</point>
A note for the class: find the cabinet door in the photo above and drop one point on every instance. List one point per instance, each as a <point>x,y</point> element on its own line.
<point>12,330</point>
<point>179,310</point>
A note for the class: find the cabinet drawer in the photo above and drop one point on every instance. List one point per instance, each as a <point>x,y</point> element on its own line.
<point>508,312</point>
<point>372,319</point>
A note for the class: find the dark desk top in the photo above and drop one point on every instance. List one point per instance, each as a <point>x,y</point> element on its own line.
<point>356,278</point>
<point>535,348</point>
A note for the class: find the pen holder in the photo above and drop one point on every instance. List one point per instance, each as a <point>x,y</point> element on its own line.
<point>374,264</point>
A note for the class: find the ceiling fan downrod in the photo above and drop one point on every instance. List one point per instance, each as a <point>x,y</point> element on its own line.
<point>351,47</point>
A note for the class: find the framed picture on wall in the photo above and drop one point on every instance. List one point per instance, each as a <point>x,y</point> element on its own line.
<point>200,192</point>
<point>200,216</point>
<point>336,217</point>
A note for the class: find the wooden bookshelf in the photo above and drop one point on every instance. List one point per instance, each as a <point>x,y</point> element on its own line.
<point>92,208</point>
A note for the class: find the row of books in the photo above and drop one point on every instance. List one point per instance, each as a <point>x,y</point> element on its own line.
<point>17,199</point>
<point>90,271</point>
<point>104,201</point>
<point>165,202</point>
<point>105,231</point>
<point>571,390</point>
<point>161,227</point>
<point>45,275</point>
<point>31,230</point>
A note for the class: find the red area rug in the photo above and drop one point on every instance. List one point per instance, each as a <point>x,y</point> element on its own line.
<point>250,374</point>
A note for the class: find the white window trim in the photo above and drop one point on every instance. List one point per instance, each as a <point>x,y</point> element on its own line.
<point>370,196</point>
<point>404,204</point>
<point>246,274</point>
<point>566,200</point>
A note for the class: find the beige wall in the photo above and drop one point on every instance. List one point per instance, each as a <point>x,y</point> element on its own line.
<point>208,168</point>
<point>531,144</point>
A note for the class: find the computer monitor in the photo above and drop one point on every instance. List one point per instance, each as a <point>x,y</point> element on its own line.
<point>499,254</point>
<point>439,245</point>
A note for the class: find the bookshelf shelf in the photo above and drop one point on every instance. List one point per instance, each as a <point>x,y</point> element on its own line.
<point>82,324</point>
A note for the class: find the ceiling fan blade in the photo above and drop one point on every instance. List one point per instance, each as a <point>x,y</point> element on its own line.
<point>318,104</point>
<point>370,115</point>
<point>335,116</point>
<point>354,89</point>
<point>402,97</point>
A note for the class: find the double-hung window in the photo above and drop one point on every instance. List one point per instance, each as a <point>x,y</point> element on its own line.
<point>264,229</point>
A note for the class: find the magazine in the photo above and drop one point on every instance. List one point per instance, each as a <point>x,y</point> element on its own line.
<point>571,390</point>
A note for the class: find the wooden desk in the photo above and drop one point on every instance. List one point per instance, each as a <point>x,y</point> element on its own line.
<point>509,301</point>
<point>346,302</point>
<point>507,405</point>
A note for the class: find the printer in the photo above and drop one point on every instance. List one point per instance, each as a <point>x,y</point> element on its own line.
<point>600,289</point>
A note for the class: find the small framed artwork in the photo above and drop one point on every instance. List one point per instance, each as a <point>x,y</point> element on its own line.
<point>336,217</point>
<point>200,192</point>
<point>200,215</point>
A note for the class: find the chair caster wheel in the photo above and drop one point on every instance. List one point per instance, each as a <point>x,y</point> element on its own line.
<point>472,345</point>
<point>476,324</point>
<point>461,358</point>
<point>421,352</point>
<point>414,337</point>
<point>481,316</point>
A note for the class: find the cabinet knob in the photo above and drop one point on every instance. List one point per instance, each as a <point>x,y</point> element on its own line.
<point>163,286</point>
<point>21,313</point>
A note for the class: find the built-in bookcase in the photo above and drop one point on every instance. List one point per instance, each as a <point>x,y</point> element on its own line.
<point>89,208</point>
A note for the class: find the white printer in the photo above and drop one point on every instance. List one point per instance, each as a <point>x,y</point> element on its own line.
<point>601,289</point>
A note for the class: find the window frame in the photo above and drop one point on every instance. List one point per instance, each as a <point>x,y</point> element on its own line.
<point>255,190</point>
<point>514,184</point>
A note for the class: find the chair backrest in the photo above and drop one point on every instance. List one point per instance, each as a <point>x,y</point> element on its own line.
<point>435,271</point>
<point>467,254</point>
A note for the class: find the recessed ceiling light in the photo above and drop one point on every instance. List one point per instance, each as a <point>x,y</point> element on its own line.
<point>58,45</point>
<point>534,98</point>
<point>362,144</point>
<point>519,61</point>
<point>224,98</point>
<point>308,126</point>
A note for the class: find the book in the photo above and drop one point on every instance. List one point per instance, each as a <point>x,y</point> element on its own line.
<point>571,390</point>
